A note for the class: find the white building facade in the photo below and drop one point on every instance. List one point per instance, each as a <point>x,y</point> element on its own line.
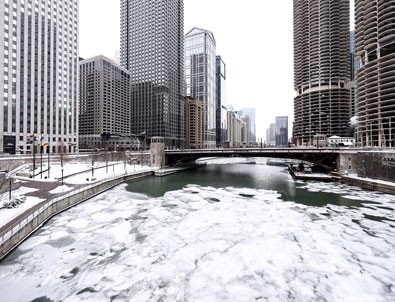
<point>237,131</point>
<point>38,75</point>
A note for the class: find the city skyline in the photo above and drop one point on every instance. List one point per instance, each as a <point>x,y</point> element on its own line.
<point>268,65</point>
<point>246,46</point>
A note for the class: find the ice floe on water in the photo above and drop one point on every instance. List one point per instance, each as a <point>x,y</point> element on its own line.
<point>209,244</point>
<point>346,191</point>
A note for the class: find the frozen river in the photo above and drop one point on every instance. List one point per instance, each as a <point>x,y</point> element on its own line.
<point>221,233</point>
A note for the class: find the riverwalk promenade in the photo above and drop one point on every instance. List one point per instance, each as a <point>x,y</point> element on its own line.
<point>48,197</point>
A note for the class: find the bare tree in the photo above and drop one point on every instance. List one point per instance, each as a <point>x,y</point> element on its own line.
<point>6,175</point>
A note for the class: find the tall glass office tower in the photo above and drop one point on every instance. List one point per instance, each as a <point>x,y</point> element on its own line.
<point>200,69</point>
<point>375,100</point>
<point>38,75</point>
<point>281,131</point>
<point>250,112</point>
<point>220,101</point>
<point>321,69</point>
<point>152,49</point>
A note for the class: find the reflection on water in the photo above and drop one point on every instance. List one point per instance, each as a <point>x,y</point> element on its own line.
<point>259,176</point>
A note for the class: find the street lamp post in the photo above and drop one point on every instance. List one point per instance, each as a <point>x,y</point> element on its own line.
<point>124,163</point>
<point>34,155</point>
<point>112,162</point>
<point>49,151</point>
<point>9,192</point>
<point>41,158</point>
<point>93,165</point>
<point>390,138</point>
<point>105,153</point>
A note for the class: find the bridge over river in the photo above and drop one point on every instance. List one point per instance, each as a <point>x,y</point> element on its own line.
<point>327,158</point>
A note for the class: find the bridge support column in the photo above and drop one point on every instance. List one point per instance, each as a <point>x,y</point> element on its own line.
<point>347,162</point>
<point>157,152</point>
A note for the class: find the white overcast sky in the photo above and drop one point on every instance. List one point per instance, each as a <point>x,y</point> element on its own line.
<point>254,38</point>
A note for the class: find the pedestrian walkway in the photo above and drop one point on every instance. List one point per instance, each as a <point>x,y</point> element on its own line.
<point>42,191</point>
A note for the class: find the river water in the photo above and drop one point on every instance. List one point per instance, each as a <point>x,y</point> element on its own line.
<point>224,232</point>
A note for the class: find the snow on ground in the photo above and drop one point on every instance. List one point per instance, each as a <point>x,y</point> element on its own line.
<point>101,170</point>
<point>202,243</point>
<point>83,175</point>
<point>6,214</point>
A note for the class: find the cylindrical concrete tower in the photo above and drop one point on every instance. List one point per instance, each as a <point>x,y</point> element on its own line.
<point>321,69</point>
<point>375,101</point>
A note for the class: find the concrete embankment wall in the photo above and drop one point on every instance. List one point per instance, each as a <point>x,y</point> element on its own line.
<point>368,184</point>
<point>30,222</point>
<point>373,167</point>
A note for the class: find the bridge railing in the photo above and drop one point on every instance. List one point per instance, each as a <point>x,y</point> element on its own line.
<point>259,150</point>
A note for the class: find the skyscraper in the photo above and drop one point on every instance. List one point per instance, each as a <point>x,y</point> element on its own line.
<point>281,130</point>
<point>250,112</point>
<point>271,135</point>
<point>38,74</point>
<point>193,123</point>
<point>200,69</point>
<point>375,43</point>
<point>321,69</point>
<point>220,100</point>
<point>152,49</point>
<point>104,105</point>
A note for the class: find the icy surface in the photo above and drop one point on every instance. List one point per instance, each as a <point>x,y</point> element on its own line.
<point>82,173</point>
<point>208,244</point>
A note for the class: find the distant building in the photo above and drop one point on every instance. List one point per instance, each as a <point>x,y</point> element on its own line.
<point>38,75</point>
<point>116,142</point>
<point>246,119</point>
<point>200,72</point>
<point>220,100</point>
<point>104,105</point>
<point>320,140</point>
<point>271,135</point>
<point>321,69</point>
<point>250,112</point>
<point>224,125</point>
<point>337,141</point>
<point>281,135</point>
<point>152,49</point>
<point>237,131</point>
<point>193,123</point>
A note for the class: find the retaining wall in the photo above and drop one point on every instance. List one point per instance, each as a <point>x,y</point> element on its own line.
<point>368,184</point>
<point>29,222</point>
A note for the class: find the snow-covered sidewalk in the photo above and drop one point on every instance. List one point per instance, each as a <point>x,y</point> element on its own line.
<point>74,176</point>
